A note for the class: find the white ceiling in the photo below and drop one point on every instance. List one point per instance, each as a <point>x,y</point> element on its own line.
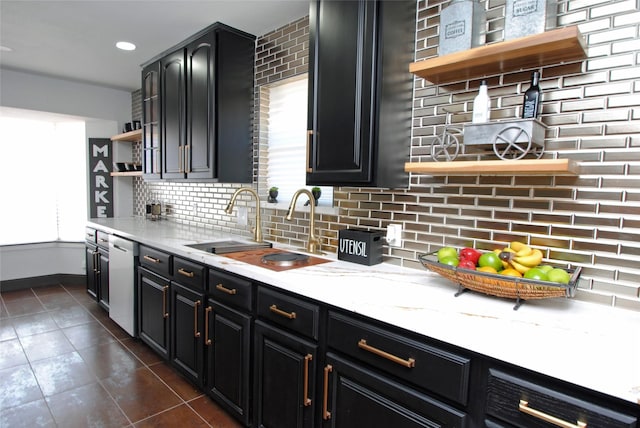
<point>76,39</point>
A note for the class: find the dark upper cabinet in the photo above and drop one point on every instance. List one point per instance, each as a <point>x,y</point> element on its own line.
<point>172,128</point>
<point>205,99</point>
<point>360,92</point>
<point>151,147</point>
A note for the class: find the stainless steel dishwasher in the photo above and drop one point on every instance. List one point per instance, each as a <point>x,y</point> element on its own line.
<point>122,282</point>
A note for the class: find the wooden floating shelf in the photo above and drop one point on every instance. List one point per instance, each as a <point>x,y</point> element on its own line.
<point>127,174</point>
<point>132,136</point>
<point>497,167</point>
<point>550,47</point>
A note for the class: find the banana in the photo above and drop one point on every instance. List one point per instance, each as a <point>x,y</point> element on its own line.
<point>517,266</point>
<point>522,250</point>
<point>531,260</point>
<point>509,250</point>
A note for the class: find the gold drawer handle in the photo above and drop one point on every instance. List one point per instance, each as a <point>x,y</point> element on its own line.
<point>524,408</point>
<point>151,259</point>
<point>290,315</point>
<point>409,362</point>
<point>326,414</point>
<point>305,399</point>
<point>207,311</point>
<point>186,273</point>
<point>224,289</point>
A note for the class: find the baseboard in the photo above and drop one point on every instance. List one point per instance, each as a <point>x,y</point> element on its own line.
<point>42,281</point>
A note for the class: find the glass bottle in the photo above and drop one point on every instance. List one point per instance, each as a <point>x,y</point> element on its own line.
<point>531,104</point>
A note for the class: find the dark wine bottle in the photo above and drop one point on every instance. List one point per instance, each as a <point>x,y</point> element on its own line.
<point>531,105</point>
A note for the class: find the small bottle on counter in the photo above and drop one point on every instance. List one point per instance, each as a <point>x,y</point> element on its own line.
<point>481,104</point>
<point>531,104</point>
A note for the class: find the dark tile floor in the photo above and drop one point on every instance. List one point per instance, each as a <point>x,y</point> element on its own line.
<point>64,363</point>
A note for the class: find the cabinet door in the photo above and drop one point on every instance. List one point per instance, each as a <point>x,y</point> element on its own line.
<point>92,266</point>
<point>285,367</point>
<point>172,111</point>
<point>151,147</point>
<point>187,327</point>
<point>340,84</point>
<point>228,343</point>
<point>103,279</point>
<point>234,106</point>
<point>354,396</point>
<point>153,311</point>
<point>201,91</point>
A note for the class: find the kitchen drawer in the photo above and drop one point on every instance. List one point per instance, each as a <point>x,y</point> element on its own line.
<point>189,273</point>
<point>230,289</point>
<point>90,235</point>
<point>156,260</point>
<point>102,238</point>
<point>526,404</point>
<point>289,312</point>
<point>427,367</point>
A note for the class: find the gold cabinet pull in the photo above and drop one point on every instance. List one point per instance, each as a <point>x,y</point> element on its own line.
<point>309,137</point>
<point>187,158</point>
<point>165,314</point>
<point>207,311</point>
<point>224,289</point>
<point>305,398</point>
<point>180,159</point>
<point>275,310</point>
<point>196,333</point>
<point>524,408</point>
<point>186,273</point>
<point>151,259</point>
<point>326,414</point>
<point>409,362</point>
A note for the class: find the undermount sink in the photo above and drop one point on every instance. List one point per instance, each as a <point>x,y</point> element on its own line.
<point>228,246</point>
<point>287,259</point>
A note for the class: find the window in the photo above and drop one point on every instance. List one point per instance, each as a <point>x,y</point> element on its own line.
<point>43,178</point>
<point>286,129</point>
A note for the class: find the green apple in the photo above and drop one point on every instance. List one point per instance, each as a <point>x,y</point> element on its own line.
<point>536,273</point>
<point>451,261</point>
<point>490,259</point>
<point>545,268</point>
<point>559,275</point>
<point>446,252</point>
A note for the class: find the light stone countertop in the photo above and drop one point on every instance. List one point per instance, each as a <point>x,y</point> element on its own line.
<point>591,345</point>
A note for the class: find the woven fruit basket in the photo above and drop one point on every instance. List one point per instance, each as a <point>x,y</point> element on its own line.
<point>495,284</point>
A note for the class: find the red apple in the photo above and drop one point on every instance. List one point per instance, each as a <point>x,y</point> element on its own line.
<point>467,264</point>
<point>470,254</point>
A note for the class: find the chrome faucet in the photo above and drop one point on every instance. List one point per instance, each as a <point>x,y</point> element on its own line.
<point>257,231</point>
<point>314,245</point>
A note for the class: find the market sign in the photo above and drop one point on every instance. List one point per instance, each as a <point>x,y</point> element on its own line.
<point>100,179</point>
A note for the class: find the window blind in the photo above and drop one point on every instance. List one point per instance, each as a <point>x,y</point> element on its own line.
<point>287,140</point>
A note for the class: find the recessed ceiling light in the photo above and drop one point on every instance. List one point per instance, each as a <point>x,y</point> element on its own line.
<point>5,49</point>
<point>125,46</point>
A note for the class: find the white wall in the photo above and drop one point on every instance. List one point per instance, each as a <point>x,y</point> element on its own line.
<point>33,260</point>
<point>41,93</point>
<point>108,109</point>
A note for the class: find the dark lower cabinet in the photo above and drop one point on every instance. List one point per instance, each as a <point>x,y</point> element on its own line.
<point>187,332</point>
<point>285,367</point>
<point>521,401</point>
<point>274,359</point>
<point>228,358</point>
<point>356,396</point>
<point>153,311</point>
<point>97,262</point>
